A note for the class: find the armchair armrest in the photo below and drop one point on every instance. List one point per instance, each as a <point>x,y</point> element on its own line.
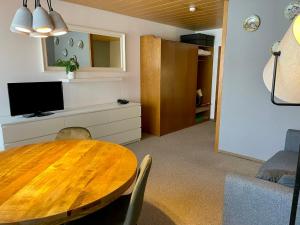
<point>250,201</point>
<point>292,140</point>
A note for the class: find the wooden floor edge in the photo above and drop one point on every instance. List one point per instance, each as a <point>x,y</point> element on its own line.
<point>241,156</point>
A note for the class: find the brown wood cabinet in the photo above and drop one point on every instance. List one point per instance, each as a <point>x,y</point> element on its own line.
<point>168,85</point>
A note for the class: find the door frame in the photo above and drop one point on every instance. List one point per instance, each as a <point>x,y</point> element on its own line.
<point>220,76</point>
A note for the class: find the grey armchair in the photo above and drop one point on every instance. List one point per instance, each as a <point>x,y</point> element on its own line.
<point>254,201</point>
<point>251,201</point>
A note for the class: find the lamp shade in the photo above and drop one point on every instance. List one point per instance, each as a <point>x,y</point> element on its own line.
<point>22,20</point>
<point>60,27</point>
<point>288,69</point>
<point>42,22</point>
<point>296,28</point>
<point>12,29</point>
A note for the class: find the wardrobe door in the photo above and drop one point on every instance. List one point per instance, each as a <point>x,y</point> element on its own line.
<point>150,83</point>
<point>178,85</point>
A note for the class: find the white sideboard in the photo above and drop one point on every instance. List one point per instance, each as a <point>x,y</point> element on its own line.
<point>116,123</point>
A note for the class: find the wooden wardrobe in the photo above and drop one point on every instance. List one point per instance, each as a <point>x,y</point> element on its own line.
<point>168,85</point>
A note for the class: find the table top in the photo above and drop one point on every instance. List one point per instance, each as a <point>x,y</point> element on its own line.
<point>55,182</point>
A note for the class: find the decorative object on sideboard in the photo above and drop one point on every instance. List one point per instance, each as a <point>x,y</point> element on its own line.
<point>252,23</point>
<point>70,65</point>
<point>40,23</point>
<point>282,78</point>
<point>122,101</point>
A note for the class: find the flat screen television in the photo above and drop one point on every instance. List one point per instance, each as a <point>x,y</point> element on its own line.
<point>35,99</point>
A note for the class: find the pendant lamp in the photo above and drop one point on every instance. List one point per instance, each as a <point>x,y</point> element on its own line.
<point>40,23</point>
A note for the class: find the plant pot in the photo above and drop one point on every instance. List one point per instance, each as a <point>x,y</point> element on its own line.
<point>71,75</point>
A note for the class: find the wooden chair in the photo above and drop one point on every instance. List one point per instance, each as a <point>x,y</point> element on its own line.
<point>73,133</point>
<point>126,210</point>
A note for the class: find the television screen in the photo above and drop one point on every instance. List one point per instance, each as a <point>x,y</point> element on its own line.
<point>35,98</point>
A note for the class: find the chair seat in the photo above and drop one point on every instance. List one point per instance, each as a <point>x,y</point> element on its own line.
<point>113,214</point>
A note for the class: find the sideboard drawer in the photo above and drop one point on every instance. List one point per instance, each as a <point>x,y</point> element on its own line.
<point>97,118</point>
<point>50,137</point>
<point>115,127</point>
<point>123,138</point>
<point>23,131</point>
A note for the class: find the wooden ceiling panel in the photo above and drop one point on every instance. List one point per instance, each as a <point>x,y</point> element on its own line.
<point>209,13</point>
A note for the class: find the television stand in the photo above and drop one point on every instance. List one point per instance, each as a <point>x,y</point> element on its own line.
<point>38,114</point>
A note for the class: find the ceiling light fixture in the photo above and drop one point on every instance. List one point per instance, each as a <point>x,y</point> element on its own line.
<point>22,21</point>
<point>40,23</point>
<point>60,27</point>
<point>192,8</point>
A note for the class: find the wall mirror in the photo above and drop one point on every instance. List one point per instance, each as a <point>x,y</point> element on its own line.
<point>95,50</point>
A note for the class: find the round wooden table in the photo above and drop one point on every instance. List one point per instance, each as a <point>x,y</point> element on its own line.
<point>55,182</point>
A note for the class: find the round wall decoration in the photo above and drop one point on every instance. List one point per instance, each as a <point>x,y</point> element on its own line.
<point>252,23</point>
<point>80,44</point>
<point>75,58</point>
<point>56,41</point>
<point>65,52</point>
<point>71,42</point>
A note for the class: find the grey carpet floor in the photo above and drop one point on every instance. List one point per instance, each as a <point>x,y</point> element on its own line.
<point>186,183</point>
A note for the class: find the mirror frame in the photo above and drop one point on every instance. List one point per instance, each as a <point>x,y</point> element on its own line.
<point>90,30</point>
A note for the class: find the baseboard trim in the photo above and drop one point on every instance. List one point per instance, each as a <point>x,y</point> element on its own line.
<point>242,156</point>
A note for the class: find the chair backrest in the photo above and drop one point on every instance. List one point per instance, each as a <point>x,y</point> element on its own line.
<point>137,196</point>
<point>69,133</point>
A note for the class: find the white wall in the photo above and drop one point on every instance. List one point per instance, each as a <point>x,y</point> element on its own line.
<point>21,56</point>
<point>218,42</point>
<point>250,124</point>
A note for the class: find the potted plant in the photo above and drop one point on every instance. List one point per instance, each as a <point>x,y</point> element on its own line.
<point>71,66</point>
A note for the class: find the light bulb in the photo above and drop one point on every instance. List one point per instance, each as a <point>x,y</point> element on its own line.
<point>296,28</point>
<point>192,8</point>
<point>38,35</point>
